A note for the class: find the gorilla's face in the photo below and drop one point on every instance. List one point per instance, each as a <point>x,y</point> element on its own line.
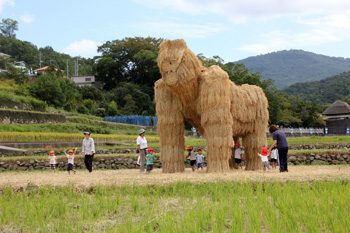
<point>170,66</point>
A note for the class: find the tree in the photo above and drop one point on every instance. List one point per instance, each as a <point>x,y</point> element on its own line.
<point>129,59</point>
<point>8,27</point>
<point>130,106</point>
<point>20,76</point>
<point>112,109</point>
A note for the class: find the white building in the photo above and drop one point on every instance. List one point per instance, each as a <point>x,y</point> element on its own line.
<point>85,80</point>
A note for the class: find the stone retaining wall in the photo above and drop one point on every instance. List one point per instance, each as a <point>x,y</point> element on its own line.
<point>129,162</point>
<point>27,117</point>
<point>120,162</point>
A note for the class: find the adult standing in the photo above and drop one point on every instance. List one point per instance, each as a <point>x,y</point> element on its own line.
<point>280,140</point>
<point>88,150</point>
<point>142,147</point>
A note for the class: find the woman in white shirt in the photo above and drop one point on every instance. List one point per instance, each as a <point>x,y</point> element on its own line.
<point>88,150</point>
<point>142,147</point>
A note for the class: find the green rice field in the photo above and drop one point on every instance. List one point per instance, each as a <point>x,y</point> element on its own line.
<point>319,206</point>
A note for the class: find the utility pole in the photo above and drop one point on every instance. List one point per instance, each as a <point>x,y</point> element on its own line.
<point>67,67</point>
<point>40,59</point>
<point>50,61</point>
<point>77,67</point>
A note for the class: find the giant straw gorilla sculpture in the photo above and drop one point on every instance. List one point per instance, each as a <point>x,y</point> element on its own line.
<point>206,98</point>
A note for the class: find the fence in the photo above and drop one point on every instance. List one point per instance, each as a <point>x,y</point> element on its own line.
<point>134,120</point>
<point>300,132</point>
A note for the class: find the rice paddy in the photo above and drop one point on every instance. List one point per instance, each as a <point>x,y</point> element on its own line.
<point>320,206</point>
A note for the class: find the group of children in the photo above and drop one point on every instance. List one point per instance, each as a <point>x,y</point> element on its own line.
<point>70,157</point>
<point>199,158</point>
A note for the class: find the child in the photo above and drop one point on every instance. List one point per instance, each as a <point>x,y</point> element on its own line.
<point>191,156</point>
<point>200,159</point>
<point>238,155</point>
<point>264,158</point>
<point>70,157</point>
<point>52,161</point>
<point>274,158</point>
<point>149,159</point>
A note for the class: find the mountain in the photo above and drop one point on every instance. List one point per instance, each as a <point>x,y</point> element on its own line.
<point>324,91</point>
<point>293,66</point>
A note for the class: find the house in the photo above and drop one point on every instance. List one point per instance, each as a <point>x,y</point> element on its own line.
<point>85,80</point>
<point>337,117</point>
<point>19,65</point>
<point>43,70</point>
<point>4,55</point>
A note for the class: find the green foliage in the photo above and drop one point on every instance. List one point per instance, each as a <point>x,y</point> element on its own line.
<point>112,109</point>
<point>129,59</point>
<point>130,105</point>
<point>325,91</point>
<point>20,76</point>
<point>8,27</point>
<point>56,91</point>
<point>294,66</point>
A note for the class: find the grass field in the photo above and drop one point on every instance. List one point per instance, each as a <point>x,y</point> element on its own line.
<point>180,206</point>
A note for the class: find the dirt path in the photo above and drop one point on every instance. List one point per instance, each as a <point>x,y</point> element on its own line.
<point>121,177</point>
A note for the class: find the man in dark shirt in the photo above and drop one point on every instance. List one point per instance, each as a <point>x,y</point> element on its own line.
<point>280,140</point>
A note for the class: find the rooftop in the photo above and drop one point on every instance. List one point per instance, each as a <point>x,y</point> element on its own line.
<point>337,108</point>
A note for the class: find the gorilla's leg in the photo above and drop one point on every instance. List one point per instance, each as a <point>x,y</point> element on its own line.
<point>170,129</point>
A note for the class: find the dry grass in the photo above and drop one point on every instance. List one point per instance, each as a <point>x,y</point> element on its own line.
<point>212,103</point>
<point>133,177</point>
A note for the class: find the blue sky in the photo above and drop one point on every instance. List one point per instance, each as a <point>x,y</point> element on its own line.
<point>230,29</point>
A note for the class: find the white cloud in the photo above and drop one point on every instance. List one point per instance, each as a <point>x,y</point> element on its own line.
<point>84,48</point>
<point>6,2</point>
<point>182,30</point>
<point>242,10</point>
<point>321,30</point>
<point>28,18</point>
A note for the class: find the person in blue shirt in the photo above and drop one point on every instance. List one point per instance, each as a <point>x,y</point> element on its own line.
<point>280,140</point>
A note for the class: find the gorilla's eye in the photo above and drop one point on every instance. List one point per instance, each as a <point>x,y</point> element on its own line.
<point>170,63</point>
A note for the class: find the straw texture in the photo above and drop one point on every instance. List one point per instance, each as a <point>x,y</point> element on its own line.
<point>206,98</point>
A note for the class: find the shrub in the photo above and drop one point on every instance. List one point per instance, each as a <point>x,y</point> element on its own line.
<point>83,110</point>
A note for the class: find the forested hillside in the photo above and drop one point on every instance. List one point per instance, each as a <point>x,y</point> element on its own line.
<point>30,54</point>
<point>293,66</point>
<point>325,91</point>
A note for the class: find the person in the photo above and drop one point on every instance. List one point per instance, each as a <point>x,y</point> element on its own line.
<point>142,147</point>
<point>264,158</point>
<point>149,158</point>
<point>70,156</point>
<point>138,161</point>
<point>238,155</point>
<point>52,160</point>
<point>280,140</point>
<point>273,157</point>
<point>192,157</point>
<point>88,150</point>
<point>200,159</point>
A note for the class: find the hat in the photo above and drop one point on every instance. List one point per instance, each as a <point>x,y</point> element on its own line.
<point>264,151</point>
<point>86,132</point>
<point>237,144</point>
<point>188,147</point>
<point>141,131</point>
<point>149,150</point>
<point>52,152</point>
<point>70,151</point>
